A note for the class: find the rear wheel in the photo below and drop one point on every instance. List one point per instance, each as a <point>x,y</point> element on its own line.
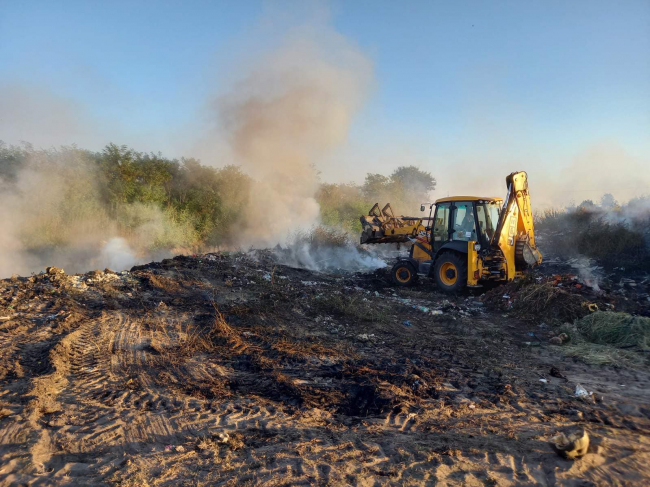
<point>404,274</point>
<point>451,272</point>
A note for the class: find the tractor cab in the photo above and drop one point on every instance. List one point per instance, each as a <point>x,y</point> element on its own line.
<point>464,219</point>
<point>460,225</point>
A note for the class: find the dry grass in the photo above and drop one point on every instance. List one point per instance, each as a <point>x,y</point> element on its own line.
<point>178,339</point>
<point>534,301</point>
<point>549,300</point>
<point>609,338</point>
<point>321,236</point>
<point>354,307</point>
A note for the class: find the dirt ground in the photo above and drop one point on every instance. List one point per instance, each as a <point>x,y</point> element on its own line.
<point>228,369</point>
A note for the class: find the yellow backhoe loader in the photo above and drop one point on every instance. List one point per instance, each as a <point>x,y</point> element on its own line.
<point>469,240</point>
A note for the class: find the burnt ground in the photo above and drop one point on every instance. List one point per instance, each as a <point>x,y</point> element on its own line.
<point>228,369</point>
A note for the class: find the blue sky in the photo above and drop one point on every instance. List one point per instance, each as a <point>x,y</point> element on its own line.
<point>471,85</point>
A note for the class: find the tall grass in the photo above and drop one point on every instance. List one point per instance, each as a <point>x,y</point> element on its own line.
<point>614,237</point>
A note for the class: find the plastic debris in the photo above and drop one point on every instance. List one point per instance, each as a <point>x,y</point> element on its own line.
<point>582,392</point>
<point>544,381</point>
<point>407,323</point>
<point>555,372</point>
<point>366,337</point>
<point>424,309</point>
<point>570,447</point>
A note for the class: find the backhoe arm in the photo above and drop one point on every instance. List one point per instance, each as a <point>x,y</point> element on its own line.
<point>515,233</point>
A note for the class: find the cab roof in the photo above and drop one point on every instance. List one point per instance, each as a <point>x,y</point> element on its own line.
<point>468,198</point>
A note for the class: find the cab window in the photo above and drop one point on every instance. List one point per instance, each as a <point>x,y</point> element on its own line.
<point>441,225</point>
<point>488,219</point>
<point>464,223</point>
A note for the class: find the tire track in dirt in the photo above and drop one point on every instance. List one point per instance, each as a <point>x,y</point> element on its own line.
<point>117,406</point>
<point>48,366</point>
<point>109,366</point>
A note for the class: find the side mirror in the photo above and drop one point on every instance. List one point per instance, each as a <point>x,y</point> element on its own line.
<point>421,207</point>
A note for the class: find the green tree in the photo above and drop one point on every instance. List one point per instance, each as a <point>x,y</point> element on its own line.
<point>406,188</point>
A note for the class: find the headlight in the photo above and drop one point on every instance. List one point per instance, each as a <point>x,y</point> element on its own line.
<point>477,247</point>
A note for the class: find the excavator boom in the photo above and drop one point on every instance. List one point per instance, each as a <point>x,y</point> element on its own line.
<point>515,233</point>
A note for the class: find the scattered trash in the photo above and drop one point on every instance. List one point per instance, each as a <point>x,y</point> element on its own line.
<point>555,372</point>
<point>544,381</point>
<point>223,437</point>
<point>582,393</point>
<point>559,340</point>
<point>169,448</point>
<point>570,447</point>
<point>407,323</point>
<point>365,337</point>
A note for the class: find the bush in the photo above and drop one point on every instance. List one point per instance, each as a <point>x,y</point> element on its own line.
<point>613,237</point>
<point>59,197</point>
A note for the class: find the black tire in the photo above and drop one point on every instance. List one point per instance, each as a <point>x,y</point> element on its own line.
<point>404,274</point>
<point>451,272</point>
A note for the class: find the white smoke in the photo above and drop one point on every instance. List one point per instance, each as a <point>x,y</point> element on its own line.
<point>291,108</point>
<point>328,259</point>
<point>117,254</point>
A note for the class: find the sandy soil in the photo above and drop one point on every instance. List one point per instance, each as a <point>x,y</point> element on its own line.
<point>225,370</point>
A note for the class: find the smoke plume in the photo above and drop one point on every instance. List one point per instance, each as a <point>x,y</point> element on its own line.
<point>289,110</point>
<point>53,215</point>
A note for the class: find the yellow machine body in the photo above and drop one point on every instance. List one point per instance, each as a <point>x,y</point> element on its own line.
<point>484,247</point>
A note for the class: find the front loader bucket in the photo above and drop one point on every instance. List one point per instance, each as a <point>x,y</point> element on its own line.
<point>381,226</point>
<point>372,231</point>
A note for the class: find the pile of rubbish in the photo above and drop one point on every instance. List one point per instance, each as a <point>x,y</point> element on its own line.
<point>563,298</point>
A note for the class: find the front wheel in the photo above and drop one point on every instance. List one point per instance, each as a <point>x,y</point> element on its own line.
<point>404,274</point>
<point>451,272</point>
